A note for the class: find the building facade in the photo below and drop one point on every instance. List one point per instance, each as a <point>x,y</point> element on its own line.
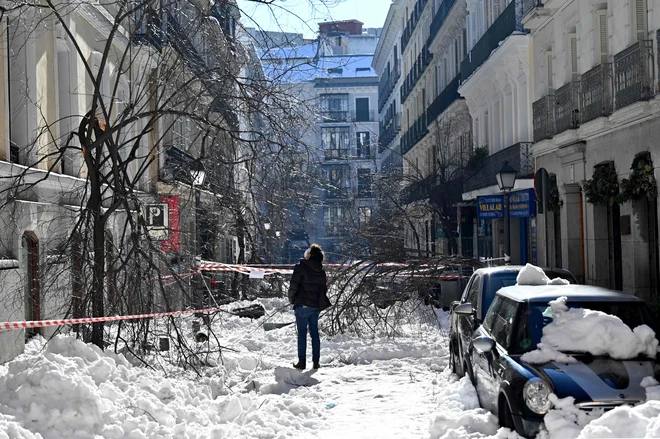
<point>595,118</point>
<point>64,75</point>
<point>496,86</point>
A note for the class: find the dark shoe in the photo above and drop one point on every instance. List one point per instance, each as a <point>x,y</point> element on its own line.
<point>300,365</point>
<point>317,365</point>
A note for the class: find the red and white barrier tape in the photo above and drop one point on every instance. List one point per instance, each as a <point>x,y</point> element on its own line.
<point>9,326</point>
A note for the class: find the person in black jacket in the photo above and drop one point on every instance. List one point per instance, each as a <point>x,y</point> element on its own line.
<point>308,294</point>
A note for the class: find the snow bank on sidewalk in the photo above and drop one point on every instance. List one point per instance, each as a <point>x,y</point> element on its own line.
<point>594,332</point>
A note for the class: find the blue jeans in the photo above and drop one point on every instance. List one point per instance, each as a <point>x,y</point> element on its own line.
<point>306,315</point>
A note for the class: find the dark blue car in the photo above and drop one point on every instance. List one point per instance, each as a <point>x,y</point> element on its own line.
<point>518,392</point>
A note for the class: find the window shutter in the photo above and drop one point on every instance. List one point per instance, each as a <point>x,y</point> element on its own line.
<point>640,19</point>
<point>548,63</point>
<point>572,38</point>
<point>603,37</point>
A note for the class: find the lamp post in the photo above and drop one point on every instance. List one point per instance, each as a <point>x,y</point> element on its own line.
<point>506,179</point>
<point>197,176</point>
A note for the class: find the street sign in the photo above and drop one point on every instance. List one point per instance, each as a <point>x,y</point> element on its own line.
<point>157,217</point>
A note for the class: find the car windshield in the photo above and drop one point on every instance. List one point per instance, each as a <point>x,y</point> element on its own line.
<point>535,316</point>
<point>499,280</point>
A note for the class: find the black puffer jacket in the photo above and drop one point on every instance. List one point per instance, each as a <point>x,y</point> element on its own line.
<point>308,284</point>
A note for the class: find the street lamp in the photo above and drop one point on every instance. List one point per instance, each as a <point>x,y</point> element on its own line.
<point>197,178</point>
<point>506,180</point>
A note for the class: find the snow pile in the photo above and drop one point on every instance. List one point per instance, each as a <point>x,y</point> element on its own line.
<point>565,420</point>
<point>533,275</point>
<point>594,332</point>
<point>458,414</point>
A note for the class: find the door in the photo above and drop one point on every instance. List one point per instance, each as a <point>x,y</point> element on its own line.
<point>362,110</point>
<point>30,261</point>
<point>467,325</point>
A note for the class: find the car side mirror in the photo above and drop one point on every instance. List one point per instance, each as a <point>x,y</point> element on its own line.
<point>464,309</point>
<point>483,344</point>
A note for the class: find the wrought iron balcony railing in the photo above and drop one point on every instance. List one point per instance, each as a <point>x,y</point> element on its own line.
<point>634,74</point>
<point>423,61</point>
<point>336,153</point>
<point>596,93</point>
<point>412,22</point>
<point>415,133</point>
<point>149,29</point>
<point>501,28</point>
<point>440,17</point>
<point>388,131</point>
<point>363,116</point>
<point>334,116</point>
<point>543,117</point>
<point>519,156</point>
<point>444,100</point>
<point>567,106</point>
<point>387,84</point>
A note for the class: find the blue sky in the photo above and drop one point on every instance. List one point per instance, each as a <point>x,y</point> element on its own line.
<point>303,16</point>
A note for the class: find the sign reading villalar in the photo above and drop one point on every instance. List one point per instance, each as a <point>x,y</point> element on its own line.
<point>522,204</point>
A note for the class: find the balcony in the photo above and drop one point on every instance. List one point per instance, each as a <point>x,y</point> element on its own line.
<point>596,93</point>
<point>528,5</point>
<point>634,74</point>
<point>440,17</point>
<point>412,22</point>
<point>333,193</point>
<point>387,84</point>
<point>148,30</point>
<point>415,133</point>
<point>418,190</point>
<point>503,26</point>
<point>519,157</point>
<point>423,61</point>
<point>567,106</point>
<point>447,97</point>
<point>363,116</point>
<point>388,130</point>
<point>334,153</point>
<point>334,116</point>
<point>543,118</point>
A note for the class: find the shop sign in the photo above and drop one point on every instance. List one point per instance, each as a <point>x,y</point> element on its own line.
<point>522,204</point>
<point>490,207</point>
<point>171,244</point>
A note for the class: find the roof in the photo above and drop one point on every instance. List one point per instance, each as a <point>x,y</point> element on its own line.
<point>326,67</point>
<point>582,293</point>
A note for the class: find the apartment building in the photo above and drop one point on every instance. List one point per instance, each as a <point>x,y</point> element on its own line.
<point>70,73</point>
<point>595,121</point>
<point>334,75</point>
<point>496,85</point>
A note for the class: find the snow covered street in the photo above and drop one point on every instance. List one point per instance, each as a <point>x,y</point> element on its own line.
<point>373,387</point>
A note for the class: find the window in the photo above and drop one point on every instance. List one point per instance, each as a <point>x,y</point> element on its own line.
<point>362,71</point>
<point>602,36</point>
<point>336,142</point>
<point>363,147</point>
<point>362,112</point>
<point>364,183</point>
<point>333,218</point>
<point>364,215</point>
<point>334,107</point>
<point>473,291</point>
<point>336,182</point>
<point>639,17</point>
<point>337,71</point>
<point>491,315</point>
<point>503,323</point>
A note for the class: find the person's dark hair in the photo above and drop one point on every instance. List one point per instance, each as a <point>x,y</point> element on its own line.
<point>316,253</point>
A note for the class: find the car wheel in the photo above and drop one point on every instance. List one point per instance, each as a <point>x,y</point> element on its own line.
<point>454,361</point>
<point>468,371</point>
<point>505,416</point>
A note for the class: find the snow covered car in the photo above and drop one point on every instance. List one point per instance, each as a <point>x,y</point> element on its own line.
<point>480,292</point>
<point>593,357</point>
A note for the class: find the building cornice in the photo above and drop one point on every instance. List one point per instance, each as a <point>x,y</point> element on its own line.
<point>391,32</point>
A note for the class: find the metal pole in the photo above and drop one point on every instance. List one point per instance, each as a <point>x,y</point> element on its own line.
<point>507,240</point>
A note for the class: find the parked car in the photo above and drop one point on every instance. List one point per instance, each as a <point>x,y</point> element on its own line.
<point>480,292</point>
<point>518,392</point>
